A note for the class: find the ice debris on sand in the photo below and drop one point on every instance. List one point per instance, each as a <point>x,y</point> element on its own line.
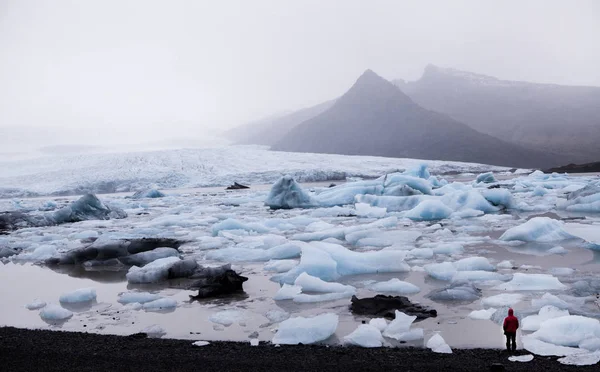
<point>201,343</point>
<point>437,344</point>
<point>306,330</point>
<point>521,358</point>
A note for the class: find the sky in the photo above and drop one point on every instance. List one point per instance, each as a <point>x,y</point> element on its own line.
<point>130,71</point>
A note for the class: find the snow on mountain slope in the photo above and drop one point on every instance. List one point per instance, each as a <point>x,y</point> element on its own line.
<point>122,172</point>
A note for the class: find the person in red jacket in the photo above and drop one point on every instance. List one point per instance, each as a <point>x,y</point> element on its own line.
<point>511,324</point>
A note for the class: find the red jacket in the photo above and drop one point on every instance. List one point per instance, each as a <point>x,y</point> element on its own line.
<point>511,323</point>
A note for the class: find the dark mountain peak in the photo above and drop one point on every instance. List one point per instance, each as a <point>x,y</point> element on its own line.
<point>371,88</point>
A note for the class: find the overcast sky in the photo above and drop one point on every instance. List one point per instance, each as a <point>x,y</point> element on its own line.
<point>163,68</point>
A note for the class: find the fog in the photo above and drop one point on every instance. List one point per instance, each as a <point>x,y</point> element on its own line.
<point>131,72</point>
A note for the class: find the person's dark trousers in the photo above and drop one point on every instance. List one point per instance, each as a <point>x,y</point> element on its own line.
<point>511,337</point>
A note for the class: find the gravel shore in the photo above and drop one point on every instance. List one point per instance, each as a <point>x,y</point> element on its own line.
<point>43,350</point>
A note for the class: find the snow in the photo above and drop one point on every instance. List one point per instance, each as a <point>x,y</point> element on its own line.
<point>80,295</point>
<point>567,330</point>
<point>437,344</point>
<point>584,359</point>
<point>161,304</point>
<point>55,313</point>
<point>533,322</point>
<point>227,317</point>
<point>395,285</point>
<point>482,314</point>
<point>306,330</point>
<point>365,335</point>
<point>521,358</point>
<point>137,297</point>
<point>35,305</point>
<point>532,282</point>
<point>538,229</point>
<point>286,193</point>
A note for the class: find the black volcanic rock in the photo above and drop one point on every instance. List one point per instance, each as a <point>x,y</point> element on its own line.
<point>576,168</point>
<point>385,306</point>
<point>549,117</point>
<point>217,281</point>
<point>375,118</point>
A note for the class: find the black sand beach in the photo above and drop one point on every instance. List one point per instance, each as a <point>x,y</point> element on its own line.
<point>42,350</point>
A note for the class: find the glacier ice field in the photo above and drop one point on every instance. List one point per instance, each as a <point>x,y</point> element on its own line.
<point>469,244</point>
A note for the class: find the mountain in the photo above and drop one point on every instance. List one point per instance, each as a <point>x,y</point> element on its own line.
<point>562,119</point>
<point>376,118</point>
<point>270,130</point>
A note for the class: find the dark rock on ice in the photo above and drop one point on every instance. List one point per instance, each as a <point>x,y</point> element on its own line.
<point>385,306</point>
<point>216,281</point>
<point>103,249</point>
<point>237,186</point>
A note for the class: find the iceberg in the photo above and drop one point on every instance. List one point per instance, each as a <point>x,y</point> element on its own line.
<point>366,210</point>
<point>503,299</point>
<point>80,295</point>
<point>310,283</point>
<point>233,224</point>
<point>429,210</point>
<point>567,330</point>
<point>306,331</point>
<point>398,328</point>
<point>532,282</point>
<point>379,323</point>
<point>365,335</point>
<point>35,305</point>
<point>487,177</point>
<point>482,314</point>
<point>538,229</point>
<point>161,269</point>
<point>533,322</point>
<point>286,193</point>
<point>456,292</point>
<point>143,258</point>
<point>137,297</point>
<point>395,285</point>
<point>55,313</point>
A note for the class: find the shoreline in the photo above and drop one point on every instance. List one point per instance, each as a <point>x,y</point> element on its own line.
<point>48,350</point>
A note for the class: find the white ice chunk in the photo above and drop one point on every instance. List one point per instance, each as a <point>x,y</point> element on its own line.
<point>558,250</point>
<point>503,299</point>
<point>365,335</point>
<point>542,348</point>
<point>80,295</point>
<point>233,224</point>
<point>309,298</point>
<point>584,359</point>
<point>306,330</point>
<point>590,344</point>
<point>478,276</point>
<point>287,292</point>
<point>474,263</point>
<point>482,314</point>
<point>567,330</point>
<point>286,193</point>
<point>315,262</point>
<point>35,304</point>
<point>227,317</point>
<point>280,266</point>
<point>154,331</point>
<point>562,271</point>
<point>310,283</point>
<point>399,326</point>
<point>379,323</point>
<point>437,344</point>
<point>448,248</point>
<point>429,210</point>
<point>201,343</point>
<point>139,297</point>
<point>153,272</point>
<point>505,265</point>
<point>531,282</point>
<point>276,316</point>
<point>533,322</point>
<point>521,358</point>
<point>441,271</point>
<point>55,313</point>
<point>395,285</point>
<point>160,304</point>
<point>366,210</point>
<point>538,229</point>
<point>487,177</point>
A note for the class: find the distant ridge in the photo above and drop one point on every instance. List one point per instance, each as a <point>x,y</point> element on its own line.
<point>548,117</point>
<point>376,118</point>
